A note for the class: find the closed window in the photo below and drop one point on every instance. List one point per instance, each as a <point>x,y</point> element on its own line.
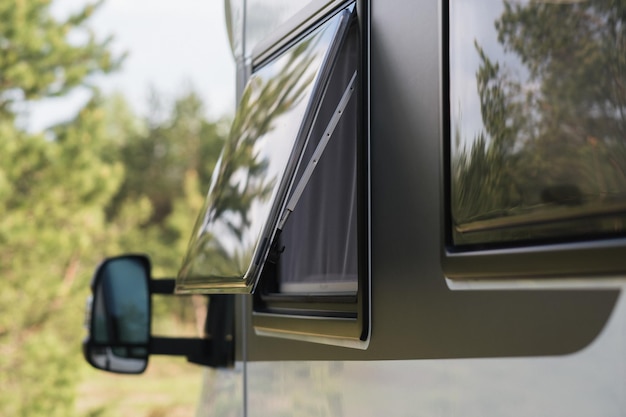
<point>536,139</point>
<point>538,121</point>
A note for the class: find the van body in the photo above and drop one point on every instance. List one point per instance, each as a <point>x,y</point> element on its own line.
<point>435,210</point>
<point>445,322</point>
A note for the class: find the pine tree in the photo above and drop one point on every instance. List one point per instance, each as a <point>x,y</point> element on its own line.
<point>53,186</point>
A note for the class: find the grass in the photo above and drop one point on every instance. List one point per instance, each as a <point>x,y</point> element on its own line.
<point>170,387</point>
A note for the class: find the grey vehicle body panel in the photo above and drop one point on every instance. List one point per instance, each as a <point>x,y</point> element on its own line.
<point>433,350</point>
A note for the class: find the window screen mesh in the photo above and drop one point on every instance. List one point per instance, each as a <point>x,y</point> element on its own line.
<point>320,236</point>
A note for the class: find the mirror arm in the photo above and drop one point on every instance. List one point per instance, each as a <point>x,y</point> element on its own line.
<point>162,286</point>
<point>218,349</point>
<point>198,351</point>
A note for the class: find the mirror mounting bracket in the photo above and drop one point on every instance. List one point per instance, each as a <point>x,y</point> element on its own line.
<point>217,350</point>
<point>162,286</point>
<point>198,351</point>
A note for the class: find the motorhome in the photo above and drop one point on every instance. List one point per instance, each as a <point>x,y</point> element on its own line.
<point>420,210</point>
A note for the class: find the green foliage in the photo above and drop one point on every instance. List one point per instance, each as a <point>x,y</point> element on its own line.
<point>53,225</point>
<point>168,164</point>
<point>37,57</point>
<point>168,160</point>
<point>102,183</point>
<point>51,192</point>
<point>242,178</point>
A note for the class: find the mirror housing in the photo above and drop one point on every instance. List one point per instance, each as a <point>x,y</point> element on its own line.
<point>119,317</point>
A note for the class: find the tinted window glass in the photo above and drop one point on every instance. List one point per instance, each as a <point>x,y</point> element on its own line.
<point>537,120</point>
<point>232,234</point>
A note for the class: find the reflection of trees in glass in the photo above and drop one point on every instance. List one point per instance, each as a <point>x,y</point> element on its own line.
<point>483,178</point>
<point>557,139</point>
<point>241,176</point>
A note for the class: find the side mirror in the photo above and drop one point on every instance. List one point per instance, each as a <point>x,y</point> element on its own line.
<point>119,315</point>
<point>119,318</point>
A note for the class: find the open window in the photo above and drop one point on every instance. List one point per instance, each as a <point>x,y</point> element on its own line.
<point>247,194</point>
<point>314,283</point>
<point>284,217</point>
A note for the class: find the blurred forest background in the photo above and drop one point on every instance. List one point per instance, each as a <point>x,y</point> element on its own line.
<point>105,182</point>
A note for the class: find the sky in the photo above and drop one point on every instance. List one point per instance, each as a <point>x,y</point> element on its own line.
<point>171,45</point>
<point>470,21</point>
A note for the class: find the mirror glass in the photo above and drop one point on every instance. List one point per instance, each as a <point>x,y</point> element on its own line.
<point>120,316</point>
